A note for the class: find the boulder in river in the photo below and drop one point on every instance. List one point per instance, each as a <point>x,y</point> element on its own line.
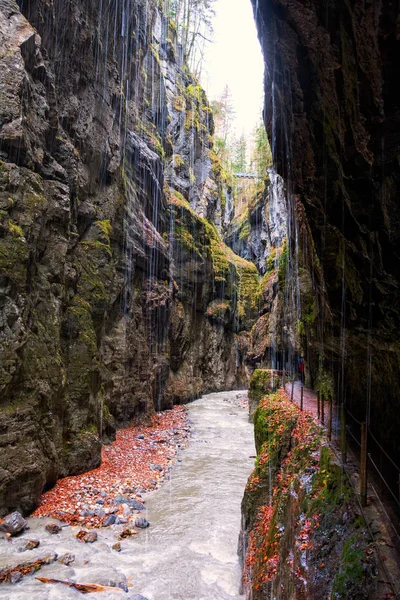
<point>13,523</point>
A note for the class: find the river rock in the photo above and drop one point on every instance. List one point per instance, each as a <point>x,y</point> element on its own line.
<point>117,547</point>
<point>87,536</point>
<point>87,513</point>
<point>15,577</point>
<point>67,559</point>
<point>13,523</point>
<point>53,528</point>
<point>142,523</point>
<point>131,503</point>
<point>109,576</point>
<point>32,544</point>
<point>127,533</point>
<point>109,521</point>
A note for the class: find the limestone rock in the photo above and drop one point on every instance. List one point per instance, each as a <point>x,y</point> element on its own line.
<point>13,523</point>
<point>53,528</point>
<point>142,523</point>
<point>66,559</point>
<point>32,544</point>
<point>88,537</point>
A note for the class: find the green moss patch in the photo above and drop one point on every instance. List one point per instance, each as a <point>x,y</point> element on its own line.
<point>263,382</point>
<point>237,277</point>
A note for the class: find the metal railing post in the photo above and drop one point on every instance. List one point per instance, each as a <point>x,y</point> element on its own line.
<point>322,409</point>
<point>343,442</point>
<point>330,414</point>
<point>363,465</point>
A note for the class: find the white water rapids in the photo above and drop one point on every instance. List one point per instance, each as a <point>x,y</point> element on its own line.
<point>189,552</point>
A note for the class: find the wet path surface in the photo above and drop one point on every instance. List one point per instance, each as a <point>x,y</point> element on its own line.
<point>190,550</point>
<point>309,397</point>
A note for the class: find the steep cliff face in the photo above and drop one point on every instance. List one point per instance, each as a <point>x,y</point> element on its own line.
<point>258,233</point>
<point>117,295</point>
<point>332,115</point>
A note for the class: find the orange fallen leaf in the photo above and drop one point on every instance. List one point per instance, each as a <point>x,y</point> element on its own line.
<point>85,588</point>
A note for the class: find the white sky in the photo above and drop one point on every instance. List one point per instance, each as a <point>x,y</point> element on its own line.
<point>235,59</point>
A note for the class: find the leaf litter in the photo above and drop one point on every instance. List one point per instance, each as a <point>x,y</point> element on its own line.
<point>135,463</point>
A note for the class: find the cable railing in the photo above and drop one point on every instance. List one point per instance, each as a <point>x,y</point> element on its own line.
<point>348,434</point>
<point>360,434</point>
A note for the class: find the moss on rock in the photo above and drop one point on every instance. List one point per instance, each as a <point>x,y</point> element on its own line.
<point>301,524</point>
<point>262,382</point>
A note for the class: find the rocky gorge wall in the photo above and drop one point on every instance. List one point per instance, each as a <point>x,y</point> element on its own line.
<point>118,296</point>
<point>332,115</point>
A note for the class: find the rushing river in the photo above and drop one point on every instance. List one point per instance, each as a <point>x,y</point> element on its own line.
<point>190,550</point>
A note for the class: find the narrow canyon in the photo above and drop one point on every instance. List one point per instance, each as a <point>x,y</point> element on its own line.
<point>168,287</point>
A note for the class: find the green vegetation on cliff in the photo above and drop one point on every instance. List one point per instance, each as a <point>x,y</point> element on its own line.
<point>234,277</point>
<point>301,520</point>
<point>262,382</point>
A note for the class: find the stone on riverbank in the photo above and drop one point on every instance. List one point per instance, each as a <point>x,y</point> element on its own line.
<point>131,503</point>
<point>109,521</point>
<point>13,523</point>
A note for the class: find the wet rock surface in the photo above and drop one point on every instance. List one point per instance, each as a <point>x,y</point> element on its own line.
<point>87,537</point>
<point>32,544</point>
<point>87,281</point>
<point>13,523</point>
<point>53,528</point>
<point>332,116</point>
<point>142,523</point>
